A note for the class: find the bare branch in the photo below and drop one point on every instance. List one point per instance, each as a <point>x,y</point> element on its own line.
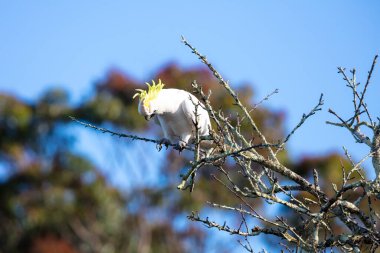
<point>232,93</point>
<point>303,119</point>
<point>120,135</point>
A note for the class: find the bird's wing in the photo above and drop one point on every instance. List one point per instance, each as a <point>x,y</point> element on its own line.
<point>188,108</point>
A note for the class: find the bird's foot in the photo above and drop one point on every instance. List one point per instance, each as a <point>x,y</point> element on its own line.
<point>165,142</point>
<point>180,146</point>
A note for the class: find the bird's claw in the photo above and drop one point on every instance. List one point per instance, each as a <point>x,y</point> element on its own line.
<point>180,146</point>
<point>165,142</point>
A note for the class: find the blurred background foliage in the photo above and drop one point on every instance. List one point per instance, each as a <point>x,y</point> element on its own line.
<point>53,199</point>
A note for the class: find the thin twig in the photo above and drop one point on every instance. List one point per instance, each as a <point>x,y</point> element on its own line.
<point>120,135</point>
<point>302,121</point>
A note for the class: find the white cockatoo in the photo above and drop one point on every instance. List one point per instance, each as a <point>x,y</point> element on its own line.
<point>174,111</point>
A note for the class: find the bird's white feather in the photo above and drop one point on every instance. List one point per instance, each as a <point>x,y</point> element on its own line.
<point>174,111</point>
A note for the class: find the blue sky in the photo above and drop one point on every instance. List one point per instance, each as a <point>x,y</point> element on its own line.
<point>291,45</point>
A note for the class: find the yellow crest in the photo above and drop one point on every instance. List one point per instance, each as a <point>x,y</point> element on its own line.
<point>153,90</point>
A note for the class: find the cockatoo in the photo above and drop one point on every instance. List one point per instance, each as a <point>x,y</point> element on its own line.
<point>174,111</point>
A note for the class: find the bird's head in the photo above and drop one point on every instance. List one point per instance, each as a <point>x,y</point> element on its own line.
<point>147,106</point>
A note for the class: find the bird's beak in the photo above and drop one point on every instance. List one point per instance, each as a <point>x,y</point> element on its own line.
<point>148,117</point>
